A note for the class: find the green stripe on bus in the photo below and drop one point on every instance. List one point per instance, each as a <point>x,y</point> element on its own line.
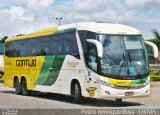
<point>139,81</point>
<point>64,31</point>
<point>50,70</point>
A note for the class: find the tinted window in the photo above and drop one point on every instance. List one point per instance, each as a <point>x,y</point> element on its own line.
<point>70,44</point>
<point>48,45</point>
<point>22,47</point>
<point>84,35</point>
<point>32,47</point>
<point>92,58</point>
<point>56,44</point>
<point>43,46</point>
<point>1,48</point>
<point>9,48</point>
<point>16,48</point>
<point>12,49</point>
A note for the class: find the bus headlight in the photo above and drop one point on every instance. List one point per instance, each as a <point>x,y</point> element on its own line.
<point>105,83</point>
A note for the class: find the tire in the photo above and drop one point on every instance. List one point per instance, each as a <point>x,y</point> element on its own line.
<point>24,88</point>
<point>118,100</point>
<point>77,93</point>
<point>17,86</point>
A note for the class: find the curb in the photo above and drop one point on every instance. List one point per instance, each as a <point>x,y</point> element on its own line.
<point>1,84</point>
<point>155,83</point>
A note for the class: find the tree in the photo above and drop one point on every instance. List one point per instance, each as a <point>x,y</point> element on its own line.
<point>19,35</point>
<point>3,39</point>
<point>156,35</point>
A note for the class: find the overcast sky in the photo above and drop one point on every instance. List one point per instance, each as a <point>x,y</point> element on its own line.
<point>18,16</point>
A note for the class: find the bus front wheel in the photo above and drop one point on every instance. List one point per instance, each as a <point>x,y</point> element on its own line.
<point>24,87</point>
<point>118,100</point>
<point>18,88</point>
<point>77,93</point>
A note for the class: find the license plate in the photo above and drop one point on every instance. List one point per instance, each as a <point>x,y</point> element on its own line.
<point>129,93</point>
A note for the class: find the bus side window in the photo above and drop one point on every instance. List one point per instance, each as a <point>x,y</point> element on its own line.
<point>60,49</point>
<point>67,49</point>
<point>32,47</point>
<point>56,44</point>
<point>47,50</point>
<point>9,46</point>
<point>16,49</point>
<point>70,44</point>
<point>43,46</point>
<point>23,47</point>
<point>92,58</point>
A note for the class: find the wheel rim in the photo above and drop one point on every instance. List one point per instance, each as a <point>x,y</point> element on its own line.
<point>76,91</point>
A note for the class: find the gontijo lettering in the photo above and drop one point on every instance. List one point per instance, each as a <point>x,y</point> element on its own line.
<point>26,62</point>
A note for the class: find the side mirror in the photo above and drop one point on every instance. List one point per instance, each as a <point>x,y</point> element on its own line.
<point>98,45</point>
<point>154,48</point>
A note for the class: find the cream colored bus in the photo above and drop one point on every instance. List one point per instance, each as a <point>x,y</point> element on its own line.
<point>1,61</point>
<point>96,60</point>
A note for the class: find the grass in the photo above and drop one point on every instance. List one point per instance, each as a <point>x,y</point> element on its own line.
<point>155,75</point>
<point>1,79</point>
<point>1,82</point>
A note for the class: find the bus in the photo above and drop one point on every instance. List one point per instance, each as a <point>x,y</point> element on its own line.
<point>86,59</point>
<point>1,61</point>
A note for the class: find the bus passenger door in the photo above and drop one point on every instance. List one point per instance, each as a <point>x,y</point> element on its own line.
<point>93,66</point>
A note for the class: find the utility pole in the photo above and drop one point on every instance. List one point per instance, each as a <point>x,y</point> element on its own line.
<point>35,21</point>
<point>59,20</point>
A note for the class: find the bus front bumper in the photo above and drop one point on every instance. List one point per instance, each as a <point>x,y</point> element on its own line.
<point>108,92</point>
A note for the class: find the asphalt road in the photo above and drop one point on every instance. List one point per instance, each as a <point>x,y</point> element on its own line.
<point>8,99</point>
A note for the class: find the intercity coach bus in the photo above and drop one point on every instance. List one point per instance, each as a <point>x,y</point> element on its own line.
<point>1,62</point>
<point>87,59</point>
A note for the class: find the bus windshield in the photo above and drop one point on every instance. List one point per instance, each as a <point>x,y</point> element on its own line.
<point>123,56</point>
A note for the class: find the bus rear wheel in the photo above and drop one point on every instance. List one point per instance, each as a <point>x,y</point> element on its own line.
<point>77,93</point>
<point>24,87</point>
<point>18,88</point>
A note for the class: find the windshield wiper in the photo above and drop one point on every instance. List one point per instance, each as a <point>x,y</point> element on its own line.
<point>126,60</point>
<point>125,63</point>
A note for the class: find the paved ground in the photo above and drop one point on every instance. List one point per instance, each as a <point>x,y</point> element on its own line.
<point>8,99</point>
<point>154,66</point>
<point>155,84</point>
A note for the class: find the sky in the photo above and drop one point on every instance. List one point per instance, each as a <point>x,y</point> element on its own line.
<point>18,16</point>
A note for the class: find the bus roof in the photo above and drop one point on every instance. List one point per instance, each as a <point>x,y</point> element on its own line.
<point>103,28</point>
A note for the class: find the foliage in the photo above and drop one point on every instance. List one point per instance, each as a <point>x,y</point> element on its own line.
<point>20,35</point>
<point>156,35</point>
<point>155,75</point>
<point>1,78</point>
<point>2,40</point>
